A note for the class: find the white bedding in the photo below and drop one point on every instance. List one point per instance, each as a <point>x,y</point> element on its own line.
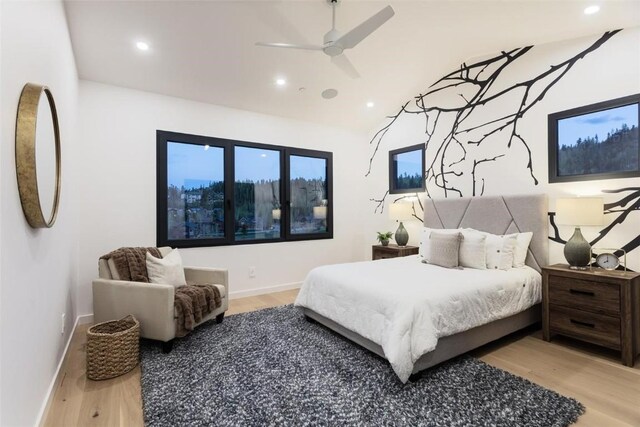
<point>404,305</point>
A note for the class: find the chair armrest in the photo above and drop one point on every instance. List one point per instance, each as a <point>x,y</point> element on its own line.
<point>150,303</point>
<point>216,276</point>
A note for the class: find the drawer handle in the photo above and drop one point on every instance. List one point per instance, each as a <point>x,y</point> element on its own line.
<point>579,292</point>
<point>585,324</point>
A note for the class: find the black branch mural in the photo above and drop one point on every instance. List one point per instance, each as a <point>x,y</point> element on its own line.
<point>471,121</point>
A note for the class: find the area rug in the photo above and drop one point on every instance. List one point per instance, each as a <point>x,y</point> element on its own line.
<point>272,367</point>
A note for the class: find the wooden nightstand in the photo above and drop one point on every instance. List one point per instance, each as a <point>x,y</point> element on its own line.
<point>598,306</point>
<point>392,251</point>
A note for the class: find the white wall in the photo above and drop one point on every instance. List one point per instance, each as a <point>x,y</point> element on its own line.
<point>611,71</point>
<point>38,267</point>
<point>118,177</point>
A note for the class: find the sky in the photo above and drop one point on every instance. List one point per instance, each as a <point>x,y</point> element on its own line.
<point>191,165</point>
<point>409,162</point>
<point>598,123</point>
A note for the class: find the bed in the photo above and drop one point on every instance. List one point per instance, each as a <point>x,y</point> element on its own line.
<point>417,315</point>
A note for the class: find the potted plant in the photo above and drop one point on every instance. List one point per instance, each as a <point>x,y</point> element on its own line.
<point>383,238</point>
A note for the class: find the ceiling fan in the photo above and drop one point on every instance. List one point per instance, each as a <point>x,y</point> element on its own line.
<point>335,42</point>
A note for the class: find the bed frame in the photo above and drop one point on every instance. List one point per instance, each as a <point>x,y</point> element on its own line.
<point>497,215</point>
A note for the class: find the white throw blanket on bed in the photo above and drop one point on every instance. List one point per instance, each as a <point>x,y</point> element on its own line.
<point>405,306</point>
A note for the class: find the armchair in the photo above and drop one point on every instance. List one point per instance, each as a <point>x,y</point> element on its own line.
<point>151,303</point>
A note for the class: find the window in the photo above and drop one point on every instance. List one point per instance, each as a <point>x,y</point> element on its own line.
<point>213,191</point>
<point>406,170</point>
<point>308,195</point>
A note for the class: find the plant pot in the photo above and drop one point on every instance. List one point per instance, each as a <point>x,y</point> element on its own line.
<point>384,242</point>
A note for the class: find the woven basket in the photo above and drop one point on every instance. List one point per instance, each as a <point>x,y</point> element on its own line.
<point>113,348</point>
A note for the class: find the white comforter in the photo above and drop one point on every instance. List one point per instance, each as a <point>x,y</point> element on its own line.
<point>405,306</point>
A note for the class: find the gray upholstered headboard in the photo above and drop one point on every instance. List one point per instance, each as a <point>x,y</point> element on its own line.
<point>496,215</point>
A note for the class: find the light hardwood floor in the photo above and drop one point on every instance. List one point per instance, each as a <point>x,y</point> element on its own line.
<point>609,390</point>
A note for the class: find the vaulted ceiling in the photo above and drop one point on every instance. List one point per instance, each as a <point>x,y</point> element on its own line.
<point>205,50</point>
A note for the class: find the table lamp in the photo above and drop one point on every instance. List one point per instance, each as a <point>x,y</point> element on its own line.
<point>401,212</point>
<point>579,211</point>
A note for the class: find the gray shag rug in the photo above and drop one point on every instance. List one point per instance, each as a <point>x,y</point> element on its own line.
<point>272,367</point>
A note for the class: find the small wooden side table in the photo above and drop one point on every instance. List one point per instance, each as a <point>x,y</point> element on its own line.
<point>596,305</point>
<point>392,251</point>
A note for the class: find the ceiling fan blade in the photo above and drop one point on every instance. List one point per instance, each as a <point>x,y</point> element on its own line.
<point>291,46</point>
<point>342,62</point>
<point>359,33</point>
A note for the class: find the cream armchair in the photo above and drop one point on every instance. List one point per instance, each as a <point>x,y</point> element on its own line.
<point>150,303</point>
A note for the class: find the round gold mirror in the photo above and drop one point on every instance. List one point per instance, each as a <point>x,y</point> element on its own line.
<point>38,155</point>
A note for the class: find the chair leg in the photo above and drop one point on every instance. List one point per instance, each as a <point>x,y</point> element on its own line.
<point>167,346</point>
<point>220,317</point>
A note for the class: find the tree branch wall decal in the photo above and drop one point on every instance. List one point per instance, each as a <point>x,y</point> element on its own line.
<point>459,148</point>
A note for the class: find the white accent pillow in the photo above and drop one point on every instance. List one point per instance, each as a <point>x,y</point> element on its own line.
<point>522,246</point>
<point>473,251</point>
<point>167,270</point>
<point>472,247</point>
<point>500,251</point>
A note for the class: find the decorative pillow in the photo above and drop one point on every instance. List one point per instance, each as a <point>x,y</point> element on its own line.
<point>500,251</point>
<point>473,252</point>
<point>167,270</point>
<point>444,249</point>
<point>425,244</point>
<point>522,246</point>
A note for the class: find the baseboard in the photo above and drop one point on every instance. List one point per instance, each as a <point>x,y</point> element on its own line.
<point>262,291</point>
<point>55,382</point>
<point>85,319</point>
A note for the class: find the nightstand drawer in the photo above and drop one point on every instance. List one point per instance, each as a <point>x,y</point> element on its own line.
<point>585,294</point>
<point>595,328</point>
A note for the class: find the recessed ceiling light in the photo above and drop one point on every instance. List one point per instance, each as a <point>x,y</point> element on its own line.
<point>263,155</point>
<point>281,82</point>
<point>592,9</point>
<point>370,104</point>
<point>206,147</point>
<point>142,45</point>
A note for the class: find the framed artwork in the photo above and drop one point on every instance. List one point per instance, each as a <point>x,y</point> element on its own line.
<point>597,141</point>
<point>406,170</point>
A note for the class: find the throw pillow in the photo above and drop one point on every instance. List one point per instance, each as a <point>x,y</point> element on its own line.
<point>522,247</point>
<point>500,251</point>
<point>473,253</point>
<point>167,270</point>
<point>425,244</point>
<point>444,249</point>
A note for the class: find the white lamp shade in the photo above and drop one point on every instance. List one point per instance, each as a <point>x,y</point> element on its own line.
<point>400,211</point>
<point>275,213</point>
<point>320,212</point>
<point>578,211</point>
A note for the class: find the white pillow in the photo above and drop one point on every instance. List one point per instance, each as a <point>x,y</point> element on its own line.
<point>472,247</point>
<point>473,251</point>
<point>167,270</point>
<point>522,246</point>
<point>500,251</point>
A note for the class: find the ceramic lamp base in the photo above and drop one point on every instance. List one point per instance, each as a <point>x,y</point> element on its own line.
<point>577,251</point>
<point>401,236</point>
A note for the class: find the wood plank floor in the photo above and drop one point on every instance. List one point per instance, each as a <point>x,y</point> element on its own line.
<point>609,390</point>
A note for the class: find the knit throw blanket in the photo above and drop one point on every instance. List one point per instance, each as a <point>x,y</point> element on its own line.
<point>193,303</point>
<point>131,263</point>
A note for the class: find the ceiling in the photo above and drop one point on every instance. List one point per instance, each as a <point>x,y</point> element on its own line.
<point>204,50</point>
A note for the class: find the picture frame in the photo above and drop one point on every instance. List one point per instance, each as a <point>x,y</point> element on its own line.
<point>596,141</point>
<point>406,169</point>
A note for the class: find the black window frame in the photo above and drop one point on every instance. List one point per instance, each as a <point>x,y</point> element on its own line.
<point>393,170</point>
<point>162,237</point>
